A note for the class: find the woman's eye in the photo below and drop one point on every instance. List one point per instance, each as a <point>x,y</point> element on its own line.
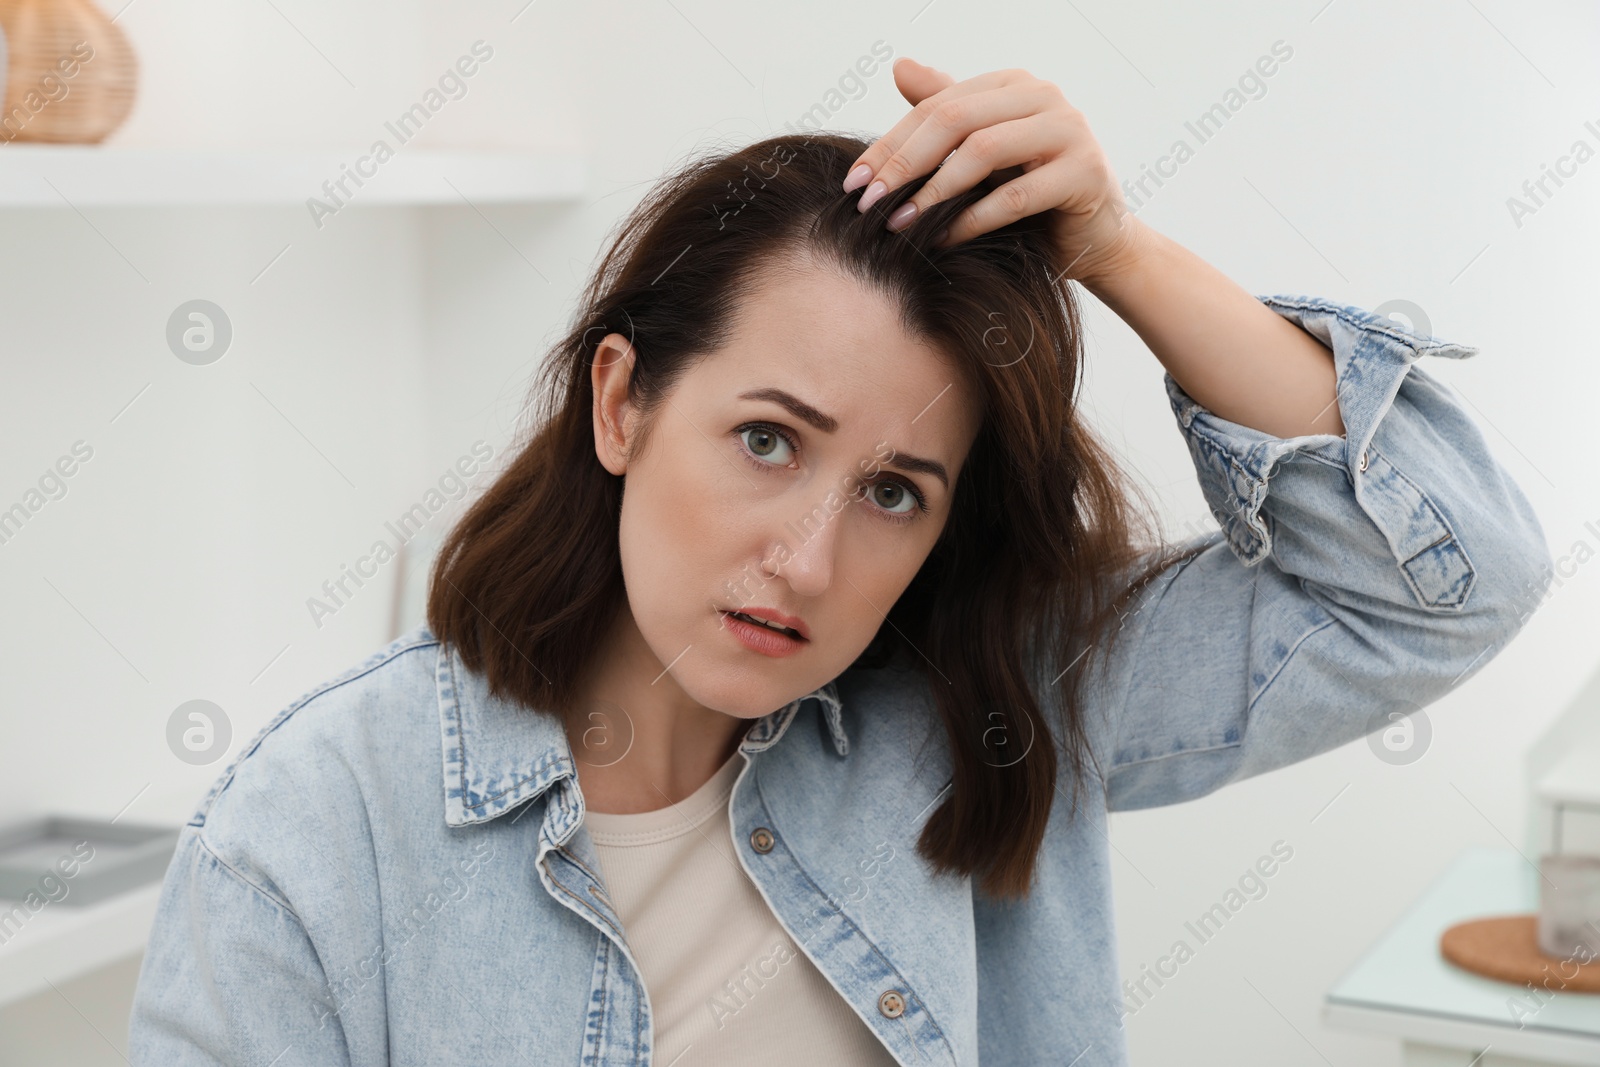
<point>767,444</point>
<point>894,498</point>
<point>771,448</point>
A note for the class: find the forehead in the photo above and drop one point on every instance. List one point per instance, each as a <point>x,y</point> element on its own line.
<point>841,346</point>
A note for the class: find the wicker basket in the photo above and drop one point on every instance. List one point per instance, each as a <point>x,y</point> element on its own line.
<point>71,77</point>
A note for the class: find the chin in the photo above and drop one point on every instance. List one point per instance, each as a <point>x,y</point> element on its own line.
<point>733,693</point>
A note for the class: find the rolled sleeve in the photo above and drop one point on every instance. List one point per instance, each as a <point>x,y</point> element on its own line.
<point>1355,578</point>
<point>1372,357</point>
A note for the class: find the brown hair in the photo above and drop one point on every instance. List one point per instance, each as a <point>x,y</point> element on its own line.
<point>1043,546</point>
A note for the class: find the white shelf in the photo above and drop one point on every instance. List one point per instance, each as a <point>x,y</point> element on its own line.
<point>62,941</point>
<point>91,175</point>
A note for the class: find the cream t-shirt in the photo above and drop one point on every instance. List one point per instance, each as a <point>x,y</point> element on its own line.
<point>727,985</point>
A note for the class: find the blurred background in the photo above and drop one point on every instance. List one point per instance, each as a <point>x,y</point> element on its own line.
<point>241,348</point>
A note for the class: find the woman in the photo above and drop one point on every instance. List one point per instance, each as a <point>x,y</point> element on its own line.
<point>812,444</point>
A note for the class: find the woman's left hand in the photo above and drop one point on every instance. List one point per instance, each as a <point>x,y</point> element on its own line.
<point>1006,118</point>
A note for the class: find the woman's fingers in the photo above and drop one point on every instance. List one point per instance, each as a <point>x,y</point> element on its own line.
<point>951,121</point>
<point>1037,190</point>
<point>1024,138</point>
<point>930,88</point>
<point>1020,139</point>
<point>962,132</point>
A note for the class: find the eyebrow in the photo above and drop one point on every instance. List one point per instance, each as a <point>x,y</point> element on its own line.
<point>828,424</point>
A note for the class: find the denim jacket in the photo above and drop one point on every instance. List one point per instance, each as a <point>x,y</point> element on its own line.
<point>395,869</point>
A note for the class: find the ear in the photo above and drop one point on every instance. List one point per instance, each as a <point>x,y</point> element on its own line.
<point>609,373</point>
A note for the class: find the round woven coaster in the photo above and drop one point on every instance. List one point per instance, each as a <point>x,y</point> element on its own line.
<point>1506,948</point>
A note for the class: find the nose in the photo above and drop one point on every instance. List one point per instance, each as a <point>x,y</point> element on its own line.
<point>811,539</point>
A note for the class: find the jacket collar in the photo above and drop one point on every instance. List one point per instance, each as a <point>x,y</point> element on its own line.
<point>498,753</point>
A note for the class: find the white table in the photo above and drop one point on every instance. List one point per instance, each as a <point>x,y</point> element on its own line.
<point>61,941</point>
<point>1447,1017</point>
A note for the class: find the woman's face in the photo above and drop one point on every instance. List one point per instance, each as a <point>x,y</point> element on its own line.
<point>795,470</point>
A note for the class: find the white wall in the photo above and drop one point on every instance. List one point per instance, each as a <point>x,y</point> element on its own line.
<point>1376,167</point>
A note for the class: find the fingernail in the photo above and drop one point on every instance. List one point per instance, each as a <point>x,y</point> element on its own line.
<point>858,178</point>
<point>870,197</point>
<point>902,215</point>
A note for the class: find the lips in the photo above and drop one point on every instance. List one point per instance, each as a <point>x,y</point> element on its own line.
<point>761,635</point>
<point>772,619</point>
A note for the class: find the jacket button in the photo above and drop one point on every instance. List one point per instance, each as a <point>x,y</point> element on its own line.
<point>892,1004</point>
<point>1363,459</point>
<point>761,839</point>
